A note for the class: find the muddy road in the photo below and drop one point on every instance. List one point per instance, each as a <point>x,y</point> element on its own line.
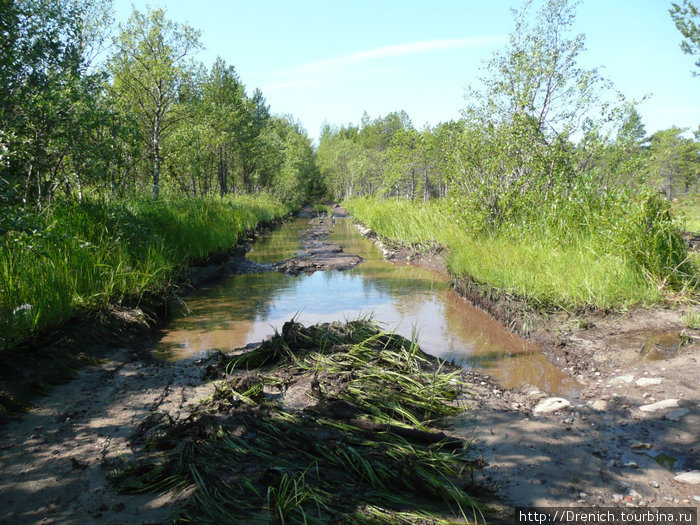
<point>615,422</point>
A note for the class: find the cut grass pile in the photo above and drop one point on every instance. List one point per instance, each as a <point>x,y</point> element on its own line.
<point>584,270</point>
<point>86,255</point>
<point>361,451</point>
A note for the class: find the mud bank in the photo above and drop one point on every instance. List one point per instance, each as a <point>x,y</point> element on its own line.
<point>318,405</point>
<point>630,434</point>
<point>32,369</point>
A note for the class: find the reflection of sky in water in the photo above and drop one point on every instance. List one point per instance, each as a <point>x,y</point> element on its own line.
<point>247,308</point>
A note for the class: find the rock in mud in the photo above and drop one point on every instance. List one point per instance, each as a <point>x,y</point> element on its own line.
<point>675,415</point>
<point>647,381</point>
<point>320,262</point>
<point>550,405</point>
<point>689,478</point>
<point>622,379</point>
<point>317,253</point>
<point>659,405</point>
<point>600,405</point>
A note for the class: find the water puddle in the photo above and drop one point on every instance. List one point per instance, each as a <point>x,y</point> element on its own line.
<point>410,300</point>
<point>664,345</point>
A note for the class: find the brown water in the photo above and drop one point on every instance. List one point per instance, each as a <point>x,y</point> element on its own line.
<point>410,300</point>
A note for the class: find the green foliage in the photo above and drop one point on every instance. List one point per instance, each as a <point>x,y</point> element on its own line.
<point>541,200</point>
<point>94,253</point>
<point>687,20</point>
<point>48,93</point>
<point>148,67</point>
<point>689,209</point>
<point>598,252</point>
<point>385,155</point>
<point>674,162</point>
<point>692,320</point>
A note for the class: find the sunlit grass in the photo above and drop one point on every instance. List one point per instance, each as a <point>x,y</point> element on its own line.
<point>98,252</point>
<point>689,208</point>
<point>576,274</point>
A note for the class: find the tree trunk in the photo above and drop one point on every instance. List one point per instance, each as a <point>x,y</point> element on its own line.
<point>156,158</point>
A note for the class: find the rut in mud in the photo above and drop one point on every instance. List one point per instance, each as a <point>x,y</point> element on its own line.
<point>317,253</point>
<point>600,448</point>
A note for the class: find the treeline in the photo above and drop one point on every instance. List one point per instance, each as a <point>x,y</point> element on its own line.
<point>387,156</point>
<point>85,108</point>
<point>535,129</point>
<point>546,156</point>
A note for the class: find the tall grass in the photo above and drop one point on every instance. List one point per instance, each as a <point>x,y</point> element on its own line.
<point>613,255</point>
<point>99,252</point>
<point>689,208</point>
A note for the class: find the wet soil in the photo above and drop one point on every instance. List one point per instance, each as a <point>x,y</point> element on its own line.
<point>317,253</point>
<point>612,445</point>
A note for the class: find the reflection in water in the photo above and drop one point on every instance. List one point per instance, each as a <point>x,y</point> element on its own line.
<point>247,308</point>
<point>280,245</point>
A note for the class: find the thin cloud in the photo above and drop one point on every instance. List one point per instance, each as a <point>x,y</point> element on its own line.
<point>313,72</point>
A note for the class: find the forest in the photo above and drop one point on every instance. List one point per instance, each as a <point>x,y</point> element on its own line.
<point>113,147</point>
<point>176,255</point>
<point>115,141</point>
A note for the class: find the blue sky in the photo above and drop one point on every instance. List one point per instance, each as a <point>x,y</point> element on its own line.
<point>333,60</point>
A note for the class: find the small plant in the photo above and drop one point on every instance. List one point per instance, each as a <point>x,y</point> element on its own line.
<point>692,320</point>
<point>322,209</point>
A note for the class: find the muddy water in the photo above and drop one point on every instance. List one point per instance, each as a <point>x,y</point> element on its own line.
<point>410,300</point>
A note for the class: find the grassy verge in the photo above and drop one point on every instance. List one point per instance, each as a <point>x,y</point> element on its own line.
<point>689,208</point>
<point>582,271</point>
<point>85,256</point>
<point>323,209</point>
<point>360,451</point>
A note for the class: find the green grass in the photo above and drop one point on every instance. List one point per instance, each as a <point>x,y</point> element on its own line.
<point>88,255</point>
<point>689,208</point>
<point>692,320</point>
<point>323,209</point>
<point>584,270</point>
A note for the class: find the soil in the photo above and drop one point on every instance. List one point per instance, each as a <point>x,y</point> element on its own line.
<point>607,447</point>
<point>317,253</point>
<point>603,449</point>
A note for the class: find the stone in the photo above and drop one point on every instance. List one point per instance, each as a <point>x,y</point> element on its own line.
<point>622,379</point>
<point>659,405</point>
<point>638,445</point>
<point>617,497</point>
<point>646,381</point>
<point>675,415</point>
<point>654,484</point>
<point>600,405</point>
<point>689,478</point>
<point>550,405</point>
